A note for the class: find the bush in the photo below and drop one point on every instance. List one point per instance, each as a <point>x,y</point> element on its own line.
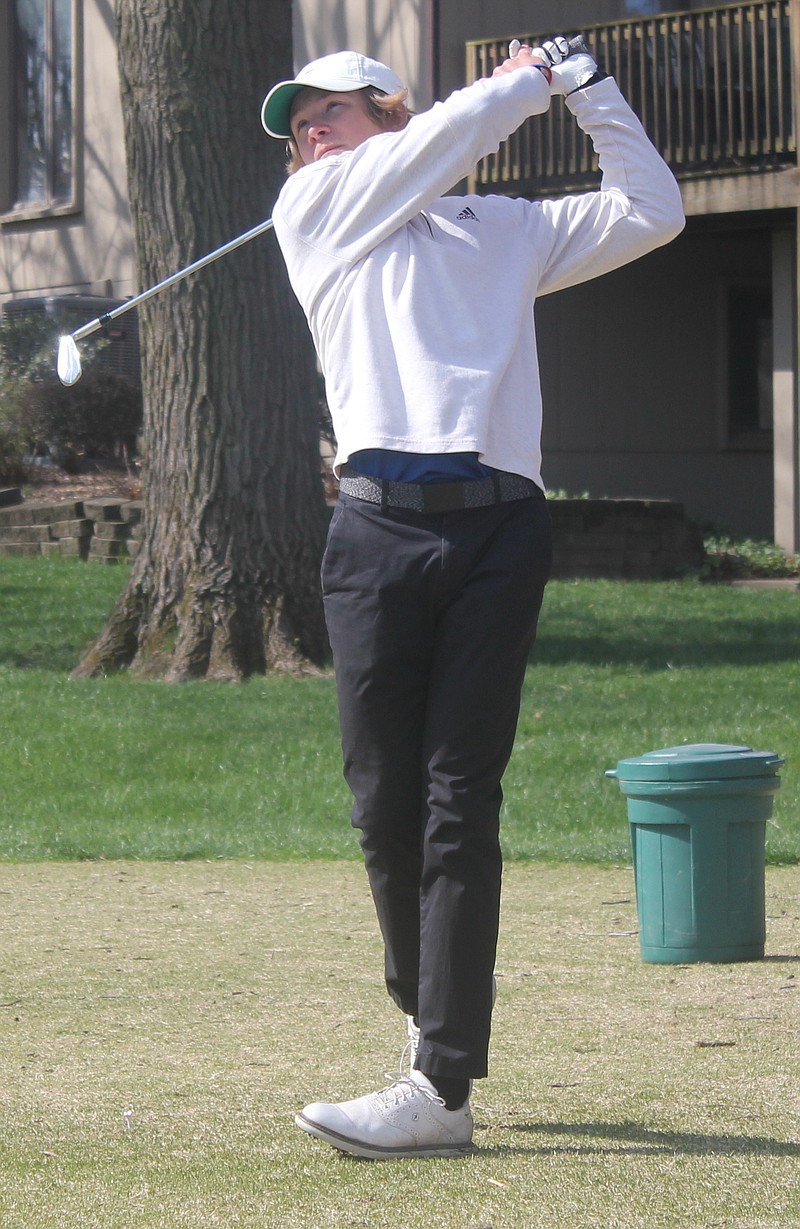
<point>13,444</point>
<point>21,342</point>
<point>27,346</point>
<point>12,457</point>
<point>727,559</point>
<point>99,417</point>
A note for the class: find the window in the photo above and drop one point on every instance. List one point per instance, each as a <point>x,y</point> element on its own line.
<point>749,362</point>
<point>41,93</point>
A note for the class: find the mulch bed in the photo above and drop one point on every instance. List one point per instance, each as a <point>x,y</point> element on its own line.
<point>53,485</point>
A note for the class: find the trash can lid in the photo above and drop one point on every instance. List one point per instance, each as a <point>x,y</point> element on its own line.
<point>697,762</point>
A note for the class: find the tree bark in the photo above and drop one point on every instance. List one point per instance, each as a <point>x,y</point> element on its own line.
<point>226,582</point>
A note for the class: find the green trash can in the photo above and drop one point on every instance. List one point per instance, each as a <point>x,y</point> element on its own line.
<point>697,817</point>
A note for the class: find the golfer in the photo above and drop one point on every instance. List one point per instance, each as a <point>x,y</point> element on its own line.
<point>421,310</point>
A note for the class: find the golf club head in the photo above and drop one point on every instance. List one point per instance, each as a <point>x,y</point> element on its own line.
<point>68,364</point>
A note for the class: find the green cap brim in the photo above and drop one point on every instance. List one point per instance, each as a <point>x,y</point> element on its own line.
<point>276,110</point>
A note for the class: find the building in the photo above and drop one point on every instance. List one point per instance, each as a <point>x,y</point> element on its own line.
<point>674,378</point>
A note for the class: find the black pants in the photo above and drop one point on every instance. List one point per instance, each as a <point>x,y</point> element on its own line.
<point>431,619</point>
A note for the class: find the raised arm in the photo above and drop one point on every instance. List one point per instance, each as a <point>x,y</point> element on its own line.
<point>637,208</point>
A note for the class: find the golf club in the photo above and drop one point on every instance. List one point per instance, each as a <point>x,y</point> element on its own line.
<point>68,364</point>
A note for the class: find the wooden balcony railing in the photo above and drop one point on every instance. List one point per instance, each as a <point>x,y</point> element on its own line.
<point>713,88</point>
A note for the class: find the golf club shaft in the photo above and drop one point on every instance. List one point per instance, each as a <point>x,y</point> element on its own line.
<point>93,325</point>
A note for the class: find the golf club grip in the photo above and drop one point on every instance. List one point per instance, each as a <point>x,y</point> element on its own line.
<point>576,45</point>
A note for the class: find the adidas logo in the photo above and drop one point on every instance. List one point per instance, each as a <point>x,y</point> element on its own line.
<point>467,215</point>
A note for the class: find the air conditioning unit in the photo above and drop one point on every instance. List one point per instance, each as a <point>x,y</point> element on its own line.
<point>70,311</point>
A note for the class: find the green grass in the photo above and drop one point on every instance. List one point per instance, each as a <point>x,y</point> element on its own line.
<point>162,1021</point>
<point>162,1024</point>
<point>120,768</point>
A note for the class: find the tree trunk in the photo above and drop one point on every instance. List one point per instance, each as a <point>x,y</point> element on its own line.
<point>226,582</point>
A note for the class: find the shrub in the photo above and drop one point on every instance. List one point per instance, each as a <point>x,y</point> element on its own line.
<point>12,457</point>
<point>20,341</point>
<point>99,417</point>
<point>562,494</point>
<point>27,346</point>
<point>728,559</point>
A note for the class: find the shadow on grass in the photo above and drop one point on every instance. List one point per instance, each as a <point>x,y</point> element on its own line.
<point>62,660</point>
<point>659,644</point>
<point>633,1139</point>
<point>48,621</point>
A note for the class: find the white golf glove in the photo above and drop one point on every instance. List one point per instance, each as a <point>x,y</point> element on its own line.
<point>569,72</point>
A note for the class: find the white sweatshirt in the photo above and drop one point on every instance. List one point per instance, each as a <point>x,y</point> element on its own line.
<point>421,305</point>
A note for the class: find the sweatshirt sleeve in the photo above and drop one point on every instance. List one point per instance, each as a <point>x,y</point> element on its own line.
<point>344,205</point>
<point>637,208</point>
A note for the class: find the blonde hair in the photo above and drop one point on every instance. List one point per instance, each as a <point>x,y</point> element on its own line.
<point>388,110</point>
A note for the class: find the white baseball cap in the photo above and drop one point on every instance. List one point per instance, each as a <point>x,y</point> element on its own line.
<point>339,73</point>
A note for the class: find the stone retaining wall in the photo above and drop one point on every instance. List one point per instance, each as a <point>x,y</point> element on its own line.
<point>627,539</point>
<point>101,529</point>
<point>624,539</point>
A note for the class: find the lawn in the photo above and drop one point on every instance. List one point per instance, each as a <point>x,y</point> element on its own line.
<point>188,951</point>
<point>120,768</point>
<point>162,1024</point>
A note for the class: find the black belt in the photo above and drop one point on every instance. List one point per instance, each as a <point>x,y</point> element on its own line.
<point>502,488</point>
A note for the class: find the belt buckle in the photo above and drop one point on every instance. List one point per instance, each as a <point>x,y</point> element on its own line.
<point>443,496</point>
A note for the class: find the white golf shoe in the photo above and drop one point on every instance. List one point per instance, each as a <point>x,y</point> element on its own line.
<point>406,1119</point>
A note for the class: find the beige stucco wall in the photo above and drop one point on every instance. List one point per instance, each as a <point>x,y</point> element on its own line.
<point>91,249</point>
<point>394,31</point>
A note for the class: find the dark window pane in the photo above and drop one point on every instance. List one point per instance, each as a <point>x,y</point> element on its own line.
<point>749,359</point>
<point>42,101</point>
<point>62,100</point>
<point>31,102</point>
